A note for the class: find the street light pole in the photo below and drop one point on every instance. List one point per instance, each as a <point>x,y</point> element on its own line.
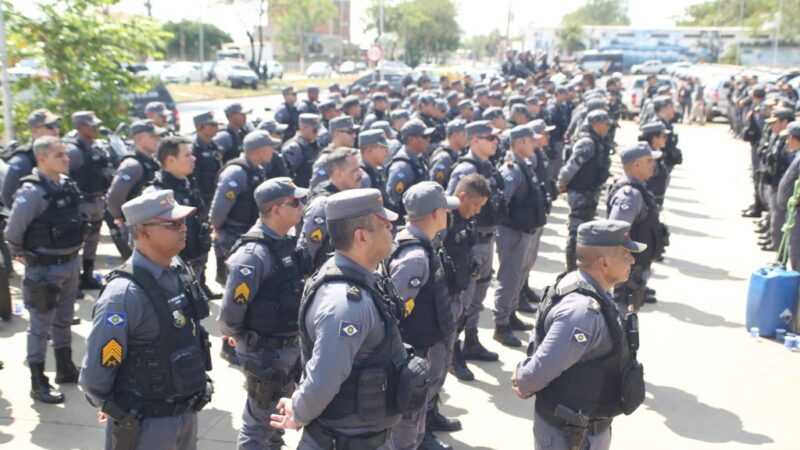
<point>8,113</point>
<point>202,49</point>
<point>739,41</point>
<point>777,35</point>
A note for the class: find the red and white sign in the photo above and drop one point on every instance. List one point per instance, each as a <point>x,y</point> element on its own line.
<point>375,53</point>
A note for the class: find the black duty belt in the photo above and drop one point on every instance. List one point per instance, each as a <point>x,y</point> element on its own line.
<point>255,341</point>
<point>330,439</point>
<point>484,237</point>
<point>94,198</point>
<point>39,259</point>
<point>596,426</point>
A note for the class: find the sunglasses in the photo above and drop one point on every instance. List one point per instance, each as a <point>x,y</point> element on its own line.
<point>490,137</point>
<point>351,132</point>
<point>294,203</point>
<point>169,225</point>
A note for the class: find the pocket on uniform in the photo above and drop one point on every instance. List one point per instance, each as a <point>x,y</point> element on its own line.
<point>371,397</point>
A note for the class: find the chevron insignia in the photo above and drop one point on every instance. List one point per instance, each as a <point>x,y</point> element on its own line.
<point>242,293</point>
<point>112,354</point>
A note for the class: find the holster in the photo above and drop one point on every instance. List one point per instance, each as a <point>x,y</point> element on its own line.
<point>265,386</point>
<point>331,440</point>
<point>126,426</point>
<point>575,436</point>
<point>41,296</point>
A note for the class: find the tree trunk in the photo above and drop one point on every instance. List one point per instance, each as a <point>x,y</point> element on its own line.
<point>302,53</point>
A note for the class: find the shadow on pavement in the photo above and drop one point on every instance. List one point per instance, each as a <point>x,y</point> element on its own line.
<point>698,270</point>
<point>6,418</point>
<point>690,214</point>
<point>690,314</point>
<point>671,198</point>
<point>685,415</point>
<point>677,230</point>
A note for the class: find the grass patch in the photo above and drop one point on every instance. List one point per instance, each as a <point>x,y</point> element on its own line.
<point>196,92</point>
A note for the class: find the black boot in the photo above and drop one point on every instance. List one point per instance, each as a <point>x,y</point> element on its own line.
<point>87,277</point>
<point>530,294</point>
<point>431,442</point>
<point>751,211</point>
<point>435,421</point>
<point>40,386</point>
<point>473,350</point>
<point>572,243</point>
<point>221,277</point>
<point>209,293</point>
<point>503,335</point>
<point>66,372</point>
<point>458,367</point>
<point>516,324</point>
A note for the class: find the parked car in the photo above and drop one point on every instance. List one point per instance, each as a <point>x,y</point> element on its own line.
<point>716,98</point>
<point>183,72</point>
<point>673,68</point>
<point>632,97</point>
<point>208,68</point>
<point>319,69</point>
<point>652,66</point>
<point>27,68</point>
<point>361,65</point>
<point>274,69</point>
<point>150,69</point>
<point>236,74</point>
<point>395,80</point>
<point>347,67</point>
<point>395,66</point>
<point>158,93</point>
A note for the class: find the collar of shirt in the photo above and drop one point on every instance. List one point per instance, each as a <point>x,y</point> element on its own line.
<point>417,233</point>
<point>343,261</point>
<point>261,226</point>
<point>138,259</point>
<point>48,179</point>
<point>597,288</point>
<point>633,179</point>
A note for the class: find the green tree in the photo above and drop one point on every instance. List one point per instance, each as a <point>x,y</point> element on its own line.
<point>599,12</point>
<point>185,42</point>
<point>757,15</point>
<point>296,19</point>
<point>570,36</point>
<point>86,52</point>
<point>484,45</point>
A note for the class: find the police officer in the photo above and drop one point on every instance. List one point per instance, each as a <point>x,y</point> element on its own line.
<point>309,105</point>
<point>584,174</point>
<point>21,159</point>
<point>287,112</point>
<point>45,231</point>
<point>374,151</point>
<point>158,113</point>
<point>351,348</point>
<point>516,235</point>
<point>580,348</point>
<point>778,162</point>
<point>664,109</point>
<point>473,192</point>
<point>482,146</point>
<point>343,132</point>
<point>557,116</point>
<point>427,114</point>
<point>346,174</point>
<point>751,133</point>
<point>786,191</point>
<point>379,110</point>
<point>631,202</point>
<point>655,134</point>
<point>466,110</point>
<point>302,149</point>
<point>233,210</point>
<point>147,353</point>
<point>276,130</point>
<point>406,168</point>
<point>259,310</point>
<point>447,153</point>
<point>208,157</point>
<point>328,111</point>
<point>133,174</point>
<point>91,168</point>
<point>229,140</point>
<point>416,267</point>
<point>351,106</point>
<point>178,163</point>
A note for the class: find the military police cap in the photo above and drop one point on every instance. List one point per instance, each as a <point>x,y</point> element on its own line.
<point>781,113</point>
<point>481,92</point>
<point>372,137</point>
<point>562,90</point>
<point>516,98</point>
<point>259,139</point>
<point>276,188</point>
<point>539,127</point>
<point>442,105</point>
<point>519,132</point>
<point>540,93</point>
<point>480,85</point>
<point>42,117</point>
<point>595,103</point>
<point>452,95</point>
<point>480,127</point>
<point>492,112</point>
<point>519,109</point>
<point>495,95</point>
<point>426,197</point>
<point>156,107</point>
<point>312,89</point>
<point>399,114</point>
<point>532,100</point>
<point>654,127</point>
<point>287,90</point>
<point>759,90</point>
<point>155,206</point>
<point>597,115</point>
<point>236,108</point>
<point>519,82</point>
<point>608,233</point>
<point>342,123</point>
<point>426,99</point>
<point>354,203</point>
<point>413,98</point>
<point>384,126</point>
<point>662,101</point>
<point>309,119</point>
<point>496,84</point>
<point>335,97</point>
<point>272,126</point>
<point>350,101</point>
<point>357,89</point>
<point>793,129</point>
<point>334,87</point>
<point>465,104</point>
<point>394,103</point>
<point>383,84</point>
<point>146,126</point>
<point>455,83</point>
<point>372,84</point>
<point>86,118</point>
<point>204,118</point>
<point>329,103</point>
<point>380,97</point>
<point>456,126</point>
<point>639,150</point>
<point>415,127</point>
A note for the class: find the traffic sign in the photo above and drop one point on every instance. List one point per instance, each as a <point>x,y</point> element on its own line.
<point>375,53</point>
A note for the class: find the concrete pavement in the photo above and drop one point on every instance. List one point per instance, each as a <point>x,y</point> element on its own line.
<point>709,385</point>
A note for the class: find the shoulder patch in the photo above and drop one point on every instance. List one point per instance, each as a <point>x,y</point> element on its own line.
<point>242,293</point>
<point>111,354</point>
<point>230,195</point>
<point>624,206</point>
<point>580,337</point>
<point>316,236</point>
<point>509,177</point>
<point>353,293</point>
<point>414,282</point>
<point>114,319</point>
<point>233,184</point>
<point>319,220</point>
<point>401,174</point>
<point>349,329</point>
<point>20,200</point>
<point>246,271</point>
<point>125,177</point>
<point>250,247</point>
<point>408,307</point>
<point>400,187</point>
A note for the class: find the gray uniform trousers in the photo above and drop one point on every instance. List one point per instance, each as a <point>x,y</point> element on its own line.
<point>548,437</point>
<point>308,443</point>
<point>582,208</point>
<point>94,216</point>
<point>472,297</point>
<point>163,433</point>
<point>256,432</point>
<point>514,250</point>
<point>57,321</point>
<point>554,165</point>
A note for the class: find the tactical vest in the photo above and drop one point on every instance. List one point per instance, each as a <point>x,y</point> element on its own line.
<point>274,308</point>
<point>237,138</point>
<point>453,155</point>
<point>95,175</point>
<point>460,239</point>
<point>492,212</point>
<point>527,209</point>
<point>244,209</point>
<point>198,233</point>
<point>595,171</point>
<point>206,167</point>
<point>149,169</point>
<point>14,149</point>
<point>372,389</point>
<point>326,189</point>
<point>377,180</point>
<point>417,168</point>
<point>310,150</point>
<point>648,230</point>
<point>592,387</point>
<point>428,317</point>
<point>61,225</point>
<point>672,154</point>
<point>173,368</point>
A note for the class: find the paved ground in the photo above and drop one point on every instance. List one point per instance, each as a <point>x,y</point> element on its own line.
<point>709,385</point>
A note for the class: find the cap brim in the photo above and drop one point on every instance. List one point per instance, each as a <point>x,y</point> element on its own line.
<point>300,192</point>
<point>452,202</point>
<point>281,128</point>
<point>633,246</point>
<point>784,133</point>
<point>178,212</point>
<point>771,120</point>
<point>389,215</point>
<point>160,131</point>
<point>656,154</point>
<point>549,128</point>
<point>429,131</point>
<point>51,120</point>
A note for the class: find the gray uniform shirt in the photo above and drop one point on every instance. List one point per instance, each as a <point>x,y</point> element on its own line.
<point>129,173</point>
<point>19,166</point>
<point>461,170</point>
<point>576,331</point>
<point>335,351</point>
<point>441,167</point>
<point>124,314</point>
<point>514,176</point>
<point>401,176</point>
<point>409,270</point>
<point>314,232</point>
<point>786,186</point>
<point>292,151</point>
<point>231,183</point>
<point>29,203</point>
<point>628,204</point>
<point>583,150</point>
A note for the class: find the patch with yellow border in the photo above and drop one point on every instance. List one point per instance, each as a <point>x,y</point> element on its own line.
<point>241,294</point>
<point>111,354</point>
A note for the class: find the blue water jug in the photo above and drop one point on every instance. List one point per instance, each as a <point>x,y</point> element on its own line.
<point>772,300</point>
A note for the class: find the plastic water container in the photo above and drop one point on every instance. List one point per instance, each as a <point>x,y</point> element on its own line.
<point>772,300</point>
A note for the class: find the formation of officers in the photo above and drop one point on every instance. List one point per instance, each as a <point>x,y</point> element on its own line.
<point>355,238</point>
